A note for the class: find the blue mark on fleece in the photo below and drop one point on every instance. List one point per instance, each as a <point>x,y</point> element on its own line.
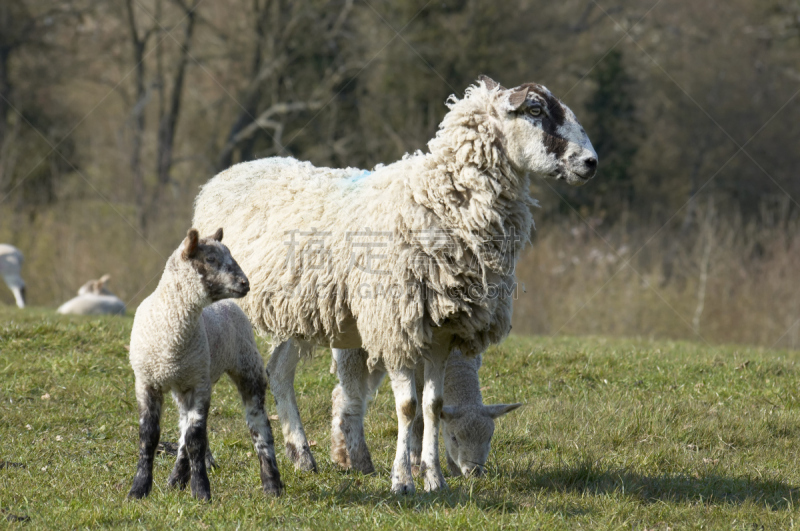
<point>356,178</point>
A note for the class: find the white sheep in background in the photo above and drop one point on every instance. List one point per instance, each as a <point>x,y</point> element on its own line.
<point>10,267</point>
<point>408,261</point>
<point>467,424</point>
<point>182,341</point>
<point>94,298</point>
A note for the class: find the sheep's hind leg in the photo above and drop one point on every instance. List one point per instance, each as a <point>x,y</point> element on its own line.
<point>348,444</point>
<point>252,387</point>
<point>181,473</point>
<point>280,371</point>
<point>418,426</point>
<point>149,401</point>
<point>405,401</point>
<point>196,403</point>
<point>432,401</point>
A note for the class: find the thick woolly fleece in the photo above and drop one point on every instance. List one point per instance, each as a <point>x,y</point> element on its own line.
<point>380,260</point>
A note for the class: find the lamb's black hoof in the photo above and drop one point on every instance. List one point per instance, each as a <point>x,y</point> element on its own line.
<point>273,489</point>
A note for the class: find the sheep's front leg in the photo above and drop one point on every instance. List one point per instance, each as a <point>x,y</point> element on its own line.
<point>252,387</point>
<point>348,444</point>
<point>432,402</point>
<point>280,371</point>
<point>196,402</point>
<point>149,401</point>
<point>181,473</point>
<point>405,401</point>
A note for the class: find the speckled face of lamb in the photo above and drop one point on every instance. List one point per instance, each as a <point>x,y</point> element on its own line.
<point>220,274</point>
<point>467,433</point>
<point>542,135</point>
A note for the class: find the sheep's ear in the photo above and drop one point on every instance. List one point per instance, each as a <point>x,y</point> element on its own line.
<point>449,413</point>
<point>218,235</point>
<point>498,410</point>
<point>489,83</point>
<point>517,97</point>
<point>104,279</point>
<point>190,244</point>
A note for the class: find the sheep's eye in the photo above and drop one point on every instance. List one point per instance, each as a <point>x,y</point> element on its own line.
<point>211,259</point>
<point>455,441</point>
<point>535,109</point>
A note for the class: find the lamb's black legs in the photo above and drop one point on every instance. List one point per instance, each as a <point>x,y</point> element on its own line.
<point>191,462</point>
<point>252,386</point>
<point>182,472</point>
<point>150,401</point>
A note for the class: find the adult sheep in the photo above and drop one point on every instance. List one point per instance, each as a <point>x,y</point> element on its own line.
<point>94,298</point>
<point>10,266</point>
<point>408,261</point>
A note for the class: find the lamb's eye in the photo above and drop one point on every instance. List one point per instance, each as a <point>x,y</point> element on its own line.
<point>455,441</point>
<point>211,259</point>
<point>535,109</point>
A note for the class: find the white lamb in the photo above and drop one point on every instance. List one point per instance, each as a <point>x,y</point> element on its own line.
<point>182,341</point>
<point>10,266</point>
<point>408,261</point>
<point>467,424</point>
<point>94,298</point>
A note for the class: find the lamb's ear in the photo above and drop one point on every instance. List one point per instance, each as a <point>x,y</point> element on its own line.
<point>190,244</point>
<point>218,235</point>
<point>489,83</point>
<point>498,410</point>
<point>449,413</point>
<point>104,279</point>
<point>517,97</point>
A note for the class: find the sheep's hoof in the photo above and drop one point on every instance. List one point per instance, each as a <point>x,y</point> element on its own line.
<point>138,494</point>
<point>141,486</point>
<point>303,459</point>
<point>403,488</point>
<point>273,489</point>
<point>434,480</point>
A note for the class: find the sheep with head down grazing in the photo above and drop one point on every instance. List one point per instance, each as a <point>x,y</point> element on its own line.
<point>467,423</point>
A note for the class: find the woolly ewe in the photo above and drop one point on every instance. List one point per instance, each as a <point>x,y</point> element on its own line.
<point>408,261</point>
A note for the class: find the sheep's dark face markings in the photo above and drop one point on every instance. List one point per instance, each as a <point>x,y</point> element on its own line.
<point>218,271</point>
<point>220,274</point>
<point>544,136</point>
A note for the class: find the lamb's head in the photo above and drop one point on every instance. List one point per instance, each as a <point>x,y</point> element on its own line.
<point>219,273</point>
<point>540,134</point>
<point>96,287</point>
<point>467,432</point>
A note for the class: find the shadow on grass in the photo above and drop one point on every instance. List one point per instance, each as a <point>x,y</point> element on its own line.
<point>476,492</point>
<point>584,478</point>
<point>706,486</point>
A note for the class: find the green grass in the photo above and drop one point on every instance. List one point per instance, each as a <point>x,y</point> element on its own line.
<point>614,434</point>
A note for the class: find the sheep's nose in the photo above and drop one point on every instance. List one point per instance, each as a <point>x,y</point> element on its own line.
<point>591,163</point>
<point>245,284</point>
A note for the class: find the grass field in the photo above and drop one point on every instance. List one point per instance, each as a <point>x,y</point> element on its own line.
<point>614,434</point>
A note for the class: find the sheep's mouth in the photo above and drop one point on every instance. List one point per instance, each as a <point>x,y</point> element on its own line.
<point>239,293</point>
<point>574,178</point>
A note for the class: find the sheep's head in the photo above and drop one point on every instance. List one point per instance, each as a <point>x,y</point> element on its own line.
<point>467,432</point>
<point>219,273</point>
<point>541,134</point>
<point>96,287</point>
